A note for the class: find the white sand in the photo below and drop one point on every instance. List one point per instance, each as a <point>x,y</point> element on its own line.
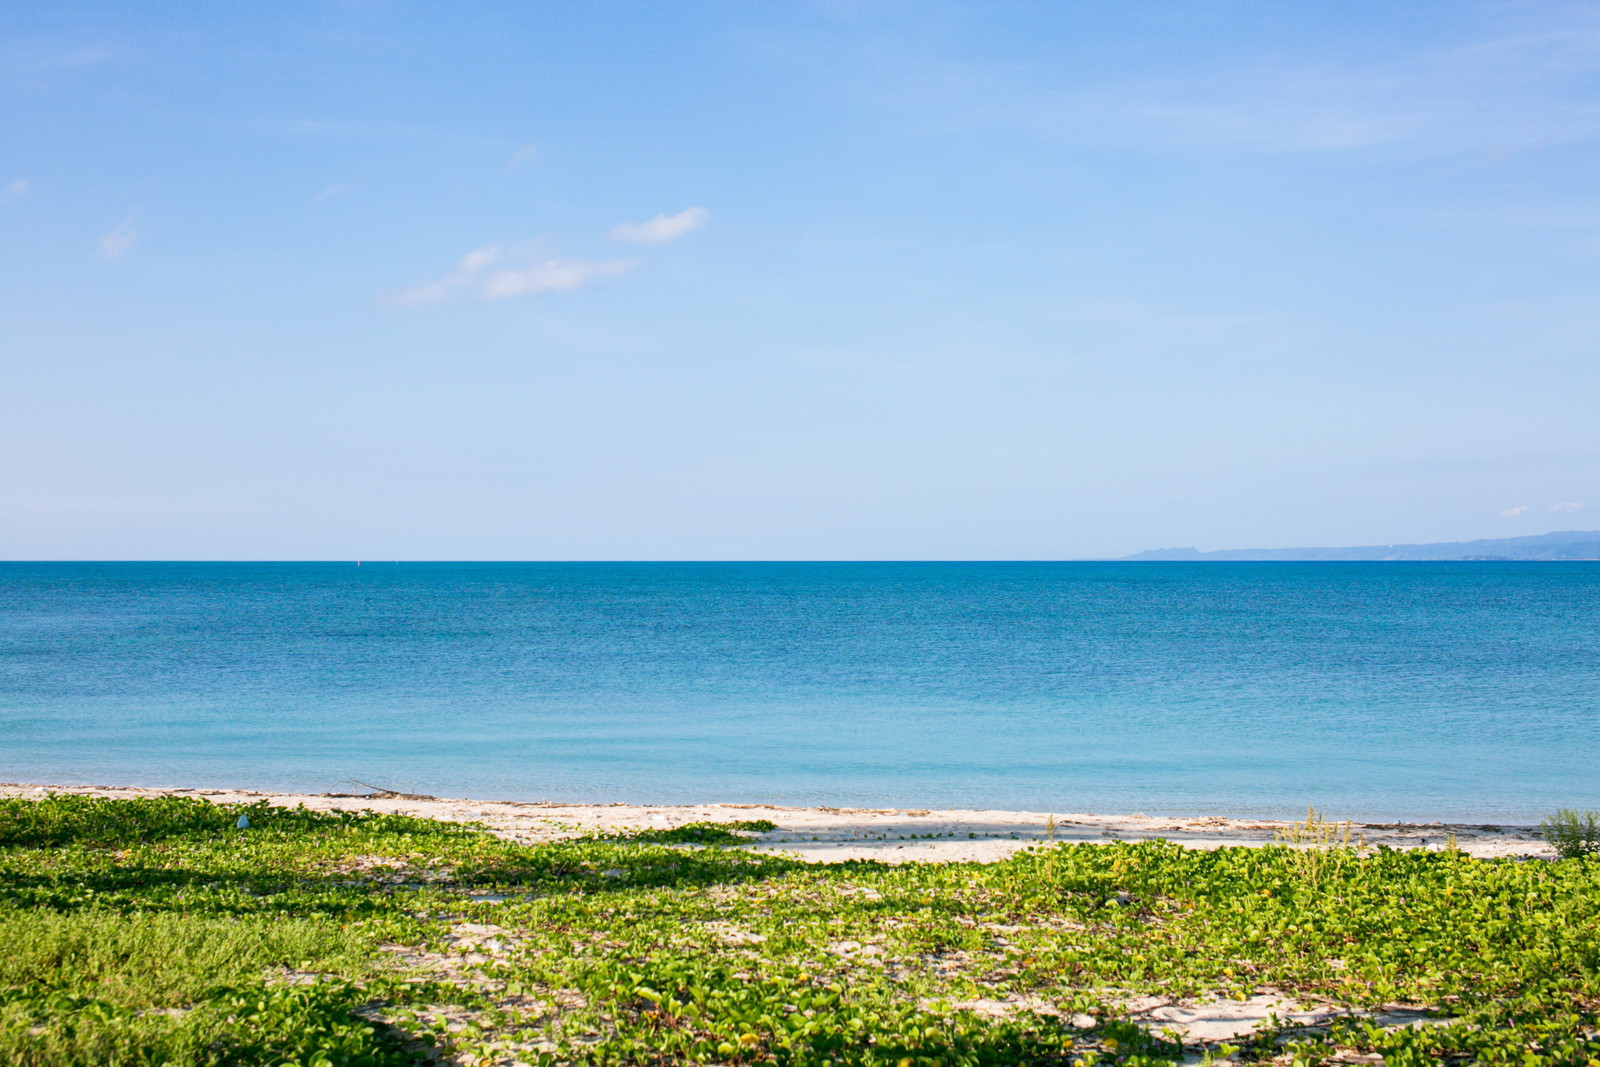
<point>825,835</point>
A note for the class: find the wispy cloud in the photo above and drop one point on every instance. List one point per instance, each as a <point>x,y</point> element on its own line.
<point>14,189</point>
<point>1565,507</point>
<point>47,65</point>
<point>1523,81</point>
<point>522,157</point>
<point>119,242</point>
<point>1139,313</point>
<point>335,190</point>
<point>1516,512</point>
<point>75,58</point>
<point>553,275</point>
<point>500,272</point>
<point>337,129</point>
<point>662,228</point>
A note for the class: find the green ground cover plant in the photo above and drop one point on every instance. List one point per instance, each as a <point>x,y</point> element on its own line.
<point>154,932</point>
<point>702,833</point>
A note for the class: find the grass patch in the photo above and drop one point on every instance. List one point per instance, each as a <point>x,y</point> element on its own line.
<point>152,931</point>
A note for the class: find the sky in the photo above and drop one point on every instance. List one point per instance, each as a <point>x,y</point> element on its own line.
<point>808,280</point>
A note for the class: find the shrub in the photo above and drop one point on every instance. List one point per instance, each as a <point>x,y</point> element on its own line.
<point>704,833</point>
<point>1573,833</point>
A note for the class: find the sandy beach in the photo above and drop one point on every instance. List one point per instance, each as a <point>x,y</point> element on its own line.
<point>826,834</point>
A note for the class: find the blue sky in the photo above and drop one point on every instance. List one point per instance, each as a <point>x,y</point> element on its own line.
<point>804,280</point>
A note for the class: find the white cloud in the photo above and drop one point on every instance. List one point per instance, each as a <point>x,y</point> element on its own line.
<point>1565,507</point>
<point>14,189</point>
<point>662,228</point>
<point>468,271</point>
<point>521,157</point>
<point>496,272</point>
<point>553,275</point>
<point>1512,513</point>
<point>119,242</point>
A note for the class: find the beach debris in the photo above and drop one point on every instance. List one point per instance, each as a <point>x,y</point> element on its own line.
<point>380,791</point>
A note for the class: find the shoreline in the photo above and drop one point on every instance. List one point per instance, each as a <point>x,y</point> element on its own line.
<point>833,834</point>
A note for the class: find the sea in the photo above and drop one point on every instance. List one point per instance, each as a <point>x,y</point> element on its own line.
<point>1462,691</point>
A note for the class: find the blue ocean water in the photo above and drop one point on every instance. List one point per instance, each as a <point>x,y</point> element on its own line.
<point>1373,690</point>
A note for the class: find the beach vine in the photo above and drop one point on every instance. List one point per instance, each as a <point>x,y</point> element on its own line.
<point>154,931</point>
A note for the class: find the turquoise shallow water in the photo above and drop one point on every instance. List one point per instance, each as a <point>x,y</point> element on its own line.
<point>1378,690</point>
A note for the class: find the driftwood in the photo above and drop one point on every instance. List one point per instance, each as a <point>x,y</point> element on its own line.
<point>380,791</point>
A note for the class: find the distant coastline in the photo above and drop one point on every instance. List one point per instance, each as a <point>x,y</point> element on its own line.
<point>1568,545</point>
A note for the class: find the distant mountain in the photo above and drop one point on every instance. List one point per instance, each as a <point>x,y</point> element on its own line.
<point>1570,544</point>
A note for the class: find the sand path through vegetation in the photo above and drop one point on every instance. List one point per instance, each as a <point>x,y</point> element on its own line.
<point>826,835</point>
